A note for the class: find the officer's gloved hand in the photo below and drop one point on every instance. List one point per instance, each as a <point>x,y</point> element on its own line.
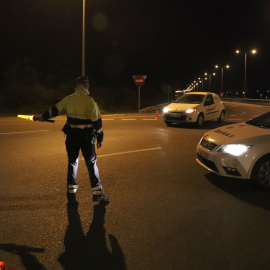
<point>38,118</point>
<point>99,144</point>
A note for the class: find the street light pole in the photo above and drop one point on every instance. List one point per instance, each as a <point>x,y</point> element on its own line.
<point>210,80</point>
<point>83,40</point>
<point>245,74</point>
<point>139,98</point>
<point>221,84</point>
<point>202,84</point>
<point>200,81</point>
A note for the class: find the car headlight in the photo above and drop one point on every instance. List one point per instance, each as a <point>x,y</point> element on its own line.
<point>166,109</point>
<point>190,110</point>
<point>234,149</point>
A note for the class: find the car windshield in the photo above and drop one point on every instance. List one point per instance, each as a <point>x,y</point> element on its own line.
<point>262,121</point>
<point>190,99</point>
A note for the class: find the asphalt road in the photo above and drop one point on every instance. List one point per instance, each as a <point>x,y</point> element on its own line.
<point>166,211</point>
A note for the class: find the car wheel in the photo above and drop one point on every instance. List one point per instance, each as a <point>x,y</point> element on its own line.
<point>169,124</point>
<point>261,172</point>
<point>200,120</point>
<point>222,116</point>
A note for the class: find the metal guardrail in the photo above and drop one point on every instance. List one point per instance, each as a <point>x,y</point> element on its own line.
<point>160,107</point>
<point>264,102</point>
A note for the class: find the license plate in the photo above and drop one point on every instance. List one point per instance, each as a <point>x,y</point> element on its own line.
<point>204,154</point>
<point>175,114</point>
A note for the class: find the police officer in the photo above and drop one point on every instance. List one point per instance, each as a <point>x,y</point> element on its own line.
<point>83,128</point>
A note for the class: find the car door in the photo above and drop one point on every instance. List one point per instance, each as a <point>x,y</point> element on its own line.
<point>210,108</point>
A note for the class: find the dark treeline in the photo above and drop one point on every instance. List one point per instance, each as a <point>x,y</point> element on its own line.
<point>25,89</point>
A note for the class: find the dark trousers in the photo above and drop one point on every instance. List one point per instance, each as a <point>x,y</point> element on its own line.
<point>83,140</point>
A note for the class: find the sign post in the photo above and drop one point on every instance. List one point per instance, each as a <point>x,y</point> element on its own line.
<point>139,81</point>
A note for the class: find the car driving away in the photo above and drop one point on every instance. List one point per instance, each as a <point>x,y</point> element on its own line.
<point>239,150</point>
<point>194,107</point>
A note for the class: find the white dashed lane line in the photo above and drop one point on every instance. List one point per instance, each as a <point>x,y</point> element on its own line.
<point>150,119</point>
<point>21,132</point>
<point>129,152</point>
<point>128,119</point>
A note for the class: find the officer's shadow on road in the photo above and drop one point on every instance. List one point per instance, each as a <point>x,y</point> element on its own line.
<point>90,251</point>
<point>241,189</point>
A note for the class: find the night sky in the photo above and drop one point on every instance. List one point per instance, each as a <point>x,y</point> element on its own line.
<point>172,42</point>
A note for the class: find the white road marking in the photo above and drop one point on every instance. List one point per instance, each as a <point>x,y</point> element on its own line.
<point>150,119</point>
<point>20,132</point>
<point>234,119</point>
<point>136,116</point>
<point>115,115</point>
<point>126,119</point>
<point>129,152</point>
<point>129,119</point>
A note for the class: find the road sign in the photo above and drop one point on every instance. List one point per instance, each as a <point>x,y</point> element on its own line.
<point>139,79</point>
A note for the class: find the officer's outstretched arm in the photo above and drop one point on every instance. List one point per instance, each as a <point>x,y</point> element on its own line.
<point>52,112</point>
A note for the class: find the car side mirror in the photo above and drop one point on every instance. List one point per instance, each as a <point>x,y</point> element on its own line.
<point>207,103</point>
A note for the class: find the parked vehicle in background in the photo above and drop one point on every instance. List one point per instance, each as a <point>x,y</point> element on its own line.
<point>194,107</point>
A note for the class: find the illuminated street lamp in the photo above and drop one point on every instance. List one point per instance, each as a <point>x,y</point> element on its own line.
<point>245,76</point>
<point>194,83</point>
<point>221,85</point>
<point>202,85</point>
<point>201,80</point>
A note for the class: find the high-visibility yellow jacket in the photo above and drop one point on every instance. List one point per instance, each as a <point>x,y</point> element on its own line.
<point>81,111</point>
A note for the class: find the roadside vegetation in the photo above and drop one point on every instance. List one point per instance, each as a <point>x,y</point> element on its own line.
<point>27,91</point>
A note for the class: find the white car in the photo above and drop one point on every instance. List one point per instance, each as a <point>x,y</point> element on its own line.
<point>239,150</point>
<point>194,107</point>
